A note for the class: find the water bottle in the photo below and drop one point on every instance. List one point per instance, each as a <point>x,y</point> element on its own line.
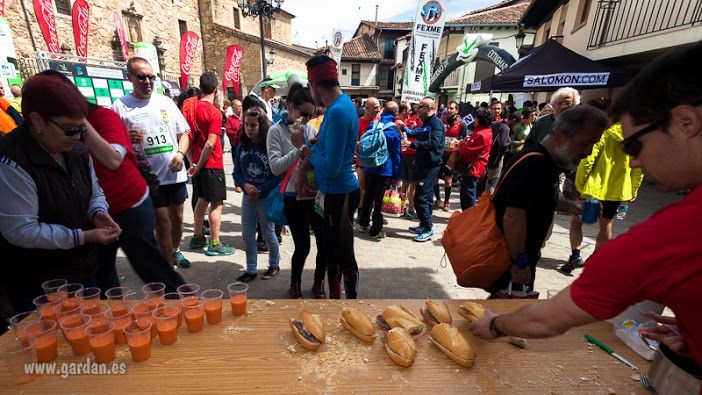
<point>591,211</point>
<point>622,210</point>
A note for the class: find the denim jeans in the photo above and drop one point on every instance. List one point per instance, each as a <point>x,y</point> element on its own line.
<point>138,243</point>
<point>469,191</point>
<point>252,213</point>
<point>424,195</point>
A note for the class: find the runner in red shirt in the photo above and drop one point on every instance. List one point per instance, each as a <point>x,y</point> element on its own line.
<point>207,169</point>
<point>372,114</point>
<point>661,258</point>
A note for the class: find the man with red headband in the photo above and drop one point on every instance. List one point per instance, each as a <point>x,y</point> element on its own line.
<point>331,158</point>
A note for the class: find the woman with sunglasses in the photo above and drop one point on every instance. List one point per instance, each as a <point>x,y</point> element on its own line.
<point>286,140</point>
<point>53,213</point>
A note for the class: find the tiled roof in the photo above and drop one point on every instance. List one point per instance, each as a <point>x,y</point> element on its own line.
<point>504,13</point>
<point>361,48</point>
<point>302,48</point>
<point>391,25</point>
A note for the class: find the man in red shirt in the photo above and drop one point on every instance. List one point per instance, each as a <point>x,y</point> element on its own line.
<point>207,169</point>
<point>372,114</point>
<point>473,154</point>
<point>661,258</point>
<point>455,130</point>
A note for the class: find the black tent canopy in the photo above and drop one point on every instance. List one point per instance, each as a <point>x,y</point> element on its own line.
<point>551,66</point>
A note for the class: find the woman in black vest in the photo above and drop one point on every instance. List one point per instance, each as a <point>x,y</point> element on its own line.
<point>53,213</point>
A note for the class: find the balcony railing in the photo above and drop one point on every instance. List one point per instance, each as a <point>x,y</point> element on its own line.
<point>451,79</point>
<point>618,20</point>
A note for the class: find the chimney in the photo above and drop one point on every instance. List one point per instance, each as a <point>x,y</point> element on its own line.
<point>376,13</point>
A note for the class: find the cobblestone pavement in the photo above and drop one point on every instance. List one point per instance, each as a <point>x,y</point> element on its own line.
<point>395,267</point>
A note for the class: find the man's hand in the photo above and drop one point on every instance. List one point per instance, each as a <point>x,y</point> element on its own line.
<point>666,334</point>
<point>306,152</point>
<point>102,236</point>
<point>520,276</point>
<point>575,207</point>
<point>251,191</point>
<point>136,136</point>
<point>296,138</point>
<point>176,163</point>
<point>400,124</point>
<point>193,171</point>
<point>102,219</point>
<point>481,327</point>
<point>405,143</point>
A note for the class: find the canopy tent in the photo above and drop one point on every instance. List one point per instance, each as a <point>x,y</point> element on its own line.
<point>551,66</point>
<point>284,79</point>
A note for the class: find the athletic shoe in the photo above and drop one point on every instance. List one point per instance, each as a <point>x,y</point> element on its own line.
<point>426,236</point>
<point>574,262</point>
<point>447,207</point>
<point>362,228</point>
<point>380,235</point>
<point>270,273</point>
<point>385,221</point>
<point>181,261</point>
<point>246,277</point>
<point>417,229</point>
<point>438,203</point>
<point>197,243</point>
<point>220,250</point>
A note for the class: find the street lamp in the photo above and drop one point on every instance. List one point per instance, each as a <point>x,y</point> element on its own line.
<point>261,9</point>
<point>519,37</point>
<point>271,56</point>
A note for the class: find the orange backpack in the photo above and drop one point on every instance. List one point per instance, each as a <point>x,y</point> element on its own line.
<point>474,245</point>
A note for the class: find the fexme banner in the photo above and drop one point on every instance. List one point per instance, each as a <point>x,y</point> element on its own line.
<point>337,47</point>
<point>188,50</point>
<point>120,33</point>
<point>232,62</point>
<point>81,22</point>
<point>422,51</point>
<point>44,10</point>
<point>566,79</point>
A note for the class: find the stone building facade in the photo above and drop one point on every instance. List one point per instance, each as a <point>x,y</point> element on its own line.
<point>154,21</point>
<point>219,23</point>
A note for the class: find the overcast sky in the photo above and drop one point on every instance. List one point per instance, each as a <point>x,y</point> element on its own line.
<point>317,19</point>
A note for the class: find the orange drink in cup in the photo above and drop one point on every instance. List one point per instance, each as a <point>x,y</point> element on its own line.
<point>89,300</point>
<point>238,297</point>
<point>68,295</point>
<point>102,340</point>
<point>167,324</point>
<point>45,305</point>
<point>138,335</point>
<point>44,332</point>
<point>97,313</point>
<point>190,289</point>
<point>120,318</point>
<point>143,311</point>
<point>173,299</point>
<point>154,291</point>
<point>213,305</point>
<point>19,321</point>
<point>115,299</point>
<point>17,355</point>
<point>194,313</point>
<point>73,327</point>
<point>52,286</point>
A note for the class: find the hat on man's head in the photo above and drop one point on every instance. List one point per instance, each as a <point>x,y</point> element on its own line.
<point>270,83</point>
<point>252,101</point>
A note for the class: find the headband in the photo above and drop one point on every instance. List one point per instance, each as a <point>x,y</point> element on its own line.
<point>322,72</point>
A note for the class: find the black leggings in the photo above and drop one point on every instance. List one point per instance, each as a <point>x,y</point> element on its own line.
<point>301,217</point>
<point>338,230</point>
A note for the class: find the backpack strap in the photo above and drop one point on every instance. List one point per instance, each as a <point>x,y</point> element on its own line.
<point>512,167</point>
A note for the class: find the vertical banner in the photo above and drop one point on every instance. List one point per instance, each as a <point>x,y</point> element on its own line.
<point>2,8</point>
<point>120,33</point>
<point>232,62</point>
<point>423,49</point>
<point>337,47</point>
<point>81,23</point>
<point>188,50</point>
<point>44,10</point>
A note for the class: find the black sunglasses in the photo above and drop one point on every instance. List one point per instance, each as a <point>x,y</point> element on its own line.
<point>143,77</point>
<point>306,114</point>
<point>632,146</point>
<point>70,132</point>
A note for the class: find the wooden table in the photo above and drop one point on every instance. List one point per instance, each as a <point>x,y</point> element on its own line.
<point>258,353</point>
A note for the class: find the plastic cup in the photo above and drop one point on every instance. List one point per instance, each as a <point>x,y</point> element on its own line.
<point>173,299</point>
<point>120,319</point>
<point>19,321</point>
<point>213,305</point>
<point>167,324</point>
<point>90,299</point>
<point>154,291</point>
<point>69,290</point>
<point>190,289</point>
<point>45,305</point>
<point>143,311</point>
<point>238,297</point>
<point>16,355</point>
<point>194,313</point>
<point>52,286</point>
<point>73,327</point>
<point>115,299</point>
<point>97,313</point>
<point>102,340</point>
<point>44,332</point>
<point>138,335</point>
<point>551,293</point>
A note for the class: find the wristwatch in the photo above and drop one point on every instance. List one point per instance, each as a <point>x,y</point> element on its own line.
<point>521,261</point>
<point>494,331</point>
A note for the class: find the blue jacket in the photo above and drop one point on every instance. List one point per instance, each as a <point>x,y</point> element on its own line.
<point>333,154</point>
<point>391,168</point>
<point>251,165</point>
<point>430,142</point>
